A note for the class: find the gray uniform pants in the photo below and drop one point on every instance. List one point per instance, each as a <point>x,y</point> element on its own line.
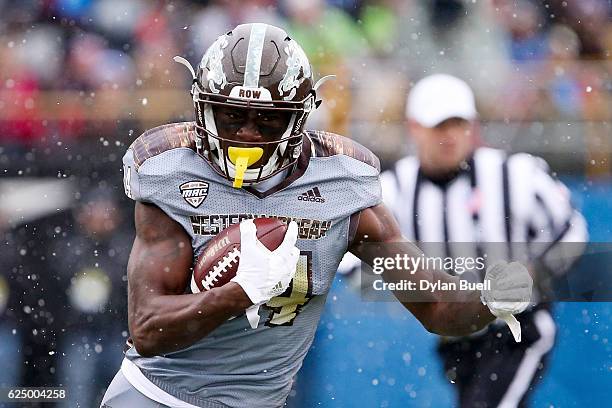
<point>122,394</point>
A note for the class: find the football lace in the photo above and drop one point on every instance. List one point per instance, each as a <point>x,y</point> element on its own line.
<point>219,269</point>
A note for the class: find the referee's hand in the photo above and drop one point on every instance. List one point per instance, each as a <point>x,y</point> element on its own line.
<point>509,293</point>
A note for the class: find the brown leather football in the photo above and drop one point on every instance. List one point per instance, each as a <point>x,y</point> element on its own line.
<point>218,263</point>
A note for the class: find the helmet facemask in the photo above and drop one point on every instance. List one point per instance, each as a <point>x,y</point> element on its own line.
<point>275,156</point>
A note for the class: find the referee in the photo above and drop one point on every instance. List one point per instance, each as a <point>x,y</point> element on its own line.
<point>455,191</point>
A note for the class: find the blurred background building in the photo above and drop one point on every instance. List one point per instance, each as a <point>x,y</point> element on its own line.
<point>80,79</point>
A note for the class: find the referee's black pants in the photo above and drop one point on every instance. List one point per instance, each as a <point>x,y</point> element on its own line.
<point>492,370</point>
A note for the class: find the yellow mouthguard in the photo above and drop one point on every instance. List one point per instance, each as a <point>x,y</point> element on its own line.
<point>242,158</point>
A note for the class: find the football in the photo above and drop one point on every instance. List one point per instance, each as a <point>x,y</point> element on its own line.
<point>218,263</point>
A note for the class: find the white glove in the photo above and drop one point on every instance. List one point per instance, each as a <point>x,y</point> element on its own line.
<point>264,274</point>
<point>509,293</point>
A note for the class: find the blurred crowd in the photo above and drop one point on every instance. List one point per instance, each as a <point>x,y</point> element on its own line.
<point>544,59</point>
<point>80,79</point>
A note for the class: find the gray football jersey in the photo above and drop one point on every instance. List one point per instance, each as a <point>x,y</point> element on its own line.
<point>235,365</point>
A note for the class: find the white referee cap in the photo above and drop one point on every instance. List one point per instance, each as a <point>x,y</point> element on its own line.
<point>439,97</point>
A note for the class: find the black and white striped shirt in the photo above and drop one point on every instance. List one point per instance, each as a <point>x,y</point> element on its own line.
<point>496,198</point>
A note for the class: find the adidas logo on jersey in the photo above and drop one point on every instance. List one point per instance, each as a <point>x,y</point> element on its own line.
<point>194,192</point>
<point>313,195</point>
<point>277,289</point>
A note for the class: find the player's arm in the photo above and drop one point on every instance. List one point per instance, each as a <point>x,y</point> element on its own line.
<point>162,318</point>
<point>459,313</point>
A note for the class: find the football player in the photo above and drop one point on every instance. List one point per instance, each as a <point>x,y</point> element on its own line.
<point>247,155</point>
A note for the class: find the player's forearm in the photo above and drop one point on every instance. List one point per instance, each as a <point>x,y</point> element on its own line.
<point>446,312</point>
<point>463,315</point>
<point>172,322</point>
